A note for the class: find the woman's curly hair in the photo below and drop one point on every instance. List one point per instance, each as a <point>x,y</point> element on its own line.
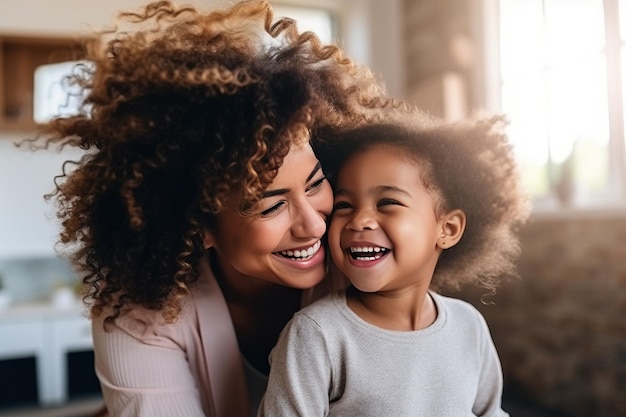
<point>467,165</point>
<point>184,108</point>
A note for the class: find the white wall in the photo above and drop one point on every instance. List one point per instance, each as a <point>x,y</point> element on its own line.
<point>65,17</point>
<point>370,34</point>
<point>28,225</point>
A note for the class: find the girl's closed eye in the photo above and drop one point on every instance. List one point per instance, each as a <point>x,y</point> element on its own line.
<point>389,201</point>
<point>341,205</point>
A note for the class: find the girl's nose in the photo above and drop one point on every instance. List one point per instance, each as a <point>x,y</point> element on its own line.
<point>361,220</point>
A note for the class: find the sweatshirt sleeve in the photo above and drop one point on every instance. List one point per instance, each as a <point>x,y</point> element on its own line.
<point>488,401</point>
<point>300,375</point>
<point>143,374</point>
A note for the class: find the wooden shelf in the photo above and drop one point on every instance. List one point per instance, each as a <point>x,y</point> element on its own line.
<point>19,57</point>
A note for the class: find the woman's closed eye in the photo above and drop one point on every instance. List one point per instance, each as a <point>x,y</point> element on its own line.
<point>273,209</point>
<point>316,185</point>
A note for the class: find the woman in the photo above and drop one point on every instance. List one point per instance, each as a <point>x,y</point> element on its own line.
<point>198,212</point>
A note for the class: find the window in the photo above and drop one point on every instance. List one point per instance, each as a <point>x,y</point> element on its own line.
<point>54,96</point>
<point>316,20</point>
<point>562,64</point>
<point>53,93</point>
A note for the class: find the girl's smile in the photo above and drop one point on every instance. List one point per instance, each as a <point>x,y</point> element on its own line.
<point>384,230</point>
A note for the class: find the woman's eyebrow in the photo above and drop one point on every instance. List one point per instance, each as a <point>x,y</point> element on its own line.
<point>279,191</point>
<point>316,168</point>
<point>272,193</point>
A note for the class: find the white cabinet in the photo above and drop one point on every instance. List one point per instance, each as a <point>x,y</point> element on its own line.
<point>48,334</point>
<point>19,339</point>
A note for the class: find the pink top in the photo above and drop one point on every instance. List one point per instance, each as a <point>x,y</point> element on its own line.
<point>190,368</point>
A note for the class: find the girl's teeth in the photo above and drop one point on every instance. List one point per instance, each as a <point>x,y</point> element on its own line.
<point>363,249</point>
<point>368,258</point>
<point>367,253</point>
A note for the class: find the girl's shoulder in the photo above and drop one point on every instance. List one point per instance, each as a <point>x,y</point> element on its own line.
<point>458,311</point>
<point>327,306</point>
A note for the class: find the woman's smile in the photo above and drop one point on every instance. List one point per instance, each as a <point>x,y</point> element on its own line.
<point>282,242</point>
<point>302,253</point>
<point>305,258</point>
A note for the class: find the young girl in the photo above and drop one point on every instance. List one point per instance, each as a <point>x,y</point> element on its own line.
<point>416,209</point>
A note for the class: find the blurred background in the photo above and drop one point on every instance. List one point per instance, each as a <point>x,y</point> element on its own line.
<point>557,68</point>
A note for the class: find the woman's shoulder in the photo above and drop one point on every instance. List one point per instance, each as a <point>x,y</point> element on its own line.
<point>144,323</point>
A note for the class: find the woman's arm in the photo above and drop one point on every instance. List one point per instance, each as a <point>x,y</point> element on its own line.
<point>143,374</point>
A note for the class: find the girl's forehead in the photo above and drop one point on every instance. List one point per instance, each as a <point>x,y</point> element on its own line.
<point>391,151</point>
<point>379,160</point>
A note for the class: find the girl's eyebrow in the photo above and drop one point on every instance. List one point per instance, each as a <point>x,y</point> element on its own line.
<point>392,188</point>
<point>280,191</point>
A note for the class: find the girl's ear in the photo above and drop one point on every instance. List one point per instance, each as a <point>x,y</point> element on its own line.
<point>208,240</point>
<point>452,228</point>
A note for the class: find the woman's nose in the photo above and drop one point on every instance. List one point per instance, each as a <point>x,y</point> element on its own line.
<point>310,222</point>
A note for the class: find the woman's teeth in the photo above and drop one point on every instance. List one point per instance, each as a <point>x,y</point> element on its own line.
<point>302,254</point>
<point>367,253</point>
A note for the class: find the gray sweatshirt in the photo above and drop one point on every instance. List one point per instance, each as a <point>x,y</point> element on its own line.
<point>330,362</point>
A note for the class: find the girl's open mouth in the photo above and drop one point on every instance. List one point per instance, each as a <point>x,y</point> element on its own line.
<point>367,253</point>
